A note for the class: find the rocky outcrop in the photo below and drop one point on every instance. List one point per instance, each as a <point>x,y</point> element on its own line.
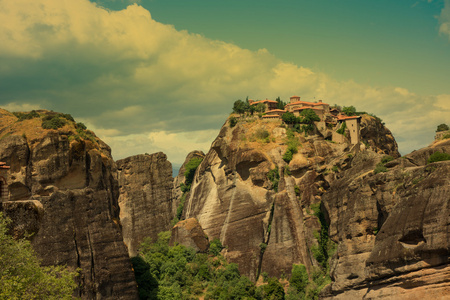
<point>391,228</point>
<point>377,136</point>
<point>180,178</point>
<point>189,233</point>
<point>265,228</point>
<point>145,199</point>
<point>63,190</point>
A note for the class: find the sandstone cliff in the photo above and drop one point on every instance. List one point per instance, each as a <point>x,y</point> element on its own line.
<point>392,228</point>
<point>64,191</point>
<point>145,199</point>
<point>266,227</point>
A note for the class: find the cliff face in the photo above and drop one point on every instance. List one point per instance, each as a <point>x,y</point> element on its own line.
<point>265,229</point>
<point>392,228</point>
<point>63,190</point>
<point>145,200</point>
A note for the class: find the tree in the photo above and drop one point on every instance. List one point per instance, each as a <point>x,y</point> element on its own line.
<point>260,107</point>
<point>289,118</point>
<point>273,290</point>
<point>442,127</point>
<point>308,116</point>
<point>190,169</point>
<point>299,277</point>
<point>239,107</point>
<point>22,276</point>
<point>280,103</point>
<point>349,110</point>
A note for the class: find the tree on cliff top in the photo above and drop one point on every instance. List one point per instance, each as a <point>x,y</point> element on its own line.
<point>442,127</point>
<point>21,275</point>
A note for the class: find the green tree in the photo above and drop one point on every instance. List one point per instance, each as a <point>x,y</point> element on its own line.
<point>280,103</point>
<point>289,118</point>
<point>299,278</point>
<point>260,107</point>
<point>190,169</point>
<point>308,116</point>
<point>442,127</point>
<point>349,110</point>
<point>273,290</point>
<point>22,276</point>
<point>239,107</point>
<point>438,156</point>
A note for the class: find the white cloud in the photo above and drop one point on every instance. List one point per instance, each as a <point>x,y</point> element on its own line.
<point>144,86</point>
<point>13,106</point>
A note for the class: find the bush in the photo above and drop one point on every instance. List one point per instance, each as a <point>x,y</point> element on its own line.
<point>380,168</point>
<point>442,127</point>
<point>262,134</point>
<point>274,177</point>
<point>26,116</point>
<point>215,247</point>
<point>190,169</point>
<point>22,276</point>
<point>342,129</point>
<point>263,247</point>
<point>232,121</point>
<point>53,122</point>
<point>299,278</point>
<point>438,156</point>
<point>386,159</point>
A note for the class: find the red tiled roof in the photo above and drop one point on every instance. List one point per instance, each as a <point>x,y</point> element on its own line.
<point>295,96</point>
<point>307,103</point>
<point>303,108</point>
<point>275,110</point>
<point>264,101</point>
<point>347,117</point>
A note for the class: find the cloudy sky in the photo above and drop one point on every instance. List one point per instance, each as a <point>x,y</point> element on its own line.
<point>162,75</point>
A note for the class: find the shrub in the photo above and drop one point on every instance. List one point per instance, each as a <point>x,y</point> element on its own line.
<point>342,129</point>
<point>26,116</point>
<point>442,127</point>
<point>438,156</point>
<point>263,247</point>
<point>22,276</point>
<point>386,159</point>
<point>53,122</point>
<point>215,247</point>
<point>274,177</point>
<point>335,169</point>
<point>262,134</point>
<point>299,277</point>
<point>380,168</point>
<point>232,121</point>
<point>190,169</point>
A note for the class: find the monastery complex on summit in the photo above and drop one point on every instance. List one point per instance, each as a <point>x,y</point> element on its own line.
<point>330,119</point>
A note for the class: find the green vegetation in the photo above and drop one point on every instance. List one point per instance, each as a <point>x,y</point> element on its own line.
<point>349,110</point>
<point>189,174</point>
<point>263,135</point>
<point>307,118</point>
<point>215,247</point>
<point>342,129</point>
<point>26,116</point>
<point>386,159</point>
<point>232,121</point>
<point>21,275</point>
<point>53,122</point>
<point>292,143</point>
<point>380,167</point>
<point>177,272</point>
<point>280,103</point>
<point>442,127</point>
<point>438,156</point>
<point>274,177</point>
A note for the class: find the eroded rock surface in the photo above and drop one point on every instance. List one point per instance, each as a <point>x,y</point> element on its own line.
<point>145,199</point>
<point>392,229</point>
<point>190,234</point>
<point>266,229</point>
<point>64,190</point>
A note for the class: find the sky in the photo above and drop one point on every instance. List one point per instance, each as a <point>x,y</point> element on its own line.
<point>154,75</point>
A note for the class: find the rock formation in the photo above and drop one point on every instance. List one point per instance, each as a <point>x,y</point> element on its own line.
<point>145,199</point>
<point>267,228</point>
<point>391,228</point>
<point>64,191</point>
<point>190,234</point>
